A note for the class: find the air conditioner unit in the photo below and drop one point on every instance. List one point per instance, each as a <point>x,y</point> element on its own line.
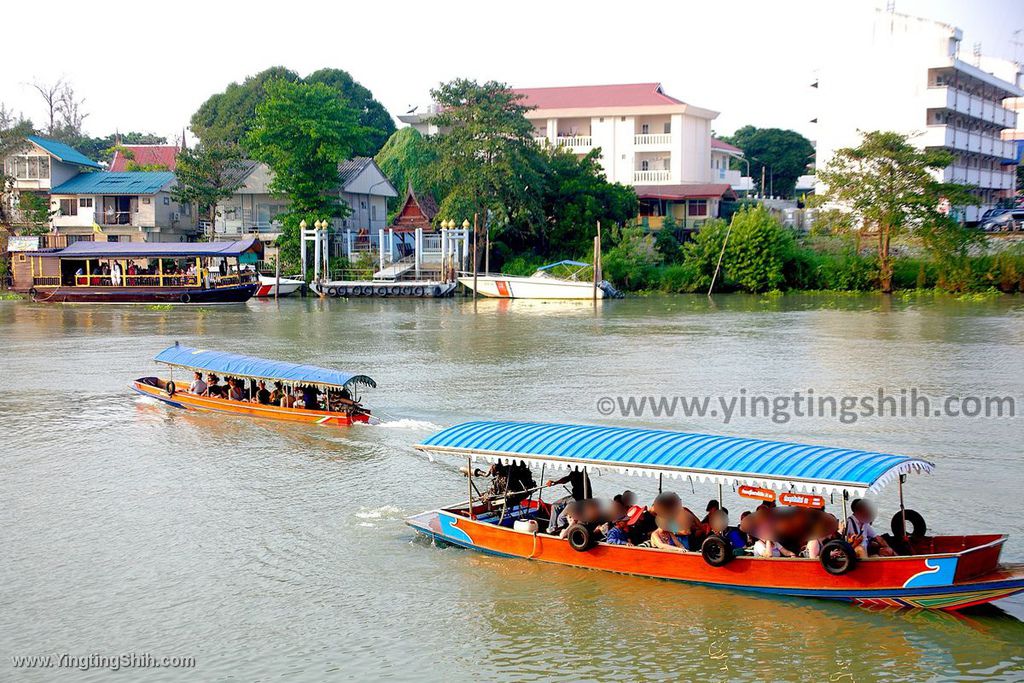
<point>175,216</point>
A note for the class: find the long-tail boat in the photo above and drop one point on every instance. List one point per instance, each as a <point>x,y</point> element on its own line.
<point>947,572</point>
<point>334,392</point>
<point>144,272</point>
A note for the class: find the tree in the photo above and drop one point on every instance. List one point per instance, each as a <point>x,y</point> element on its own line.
<point>207,174</point>
<point>406,159</point>
<point>889,186</point>
<point>36,213</point>
<point>302,132</point>
<point>64,113</point>
<point>229,115</point>
<point>487,161</point>
<point>50,92</point>
<point>13,131</point>
<point>784,155</point>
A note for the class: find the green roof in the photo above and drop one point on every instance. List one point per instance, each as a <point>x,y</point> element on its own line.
<point>63,152</point>
<point>107,182</point>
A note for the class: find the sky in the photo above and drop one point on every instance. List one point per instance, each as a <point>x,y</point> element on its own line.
<point>147,66</point>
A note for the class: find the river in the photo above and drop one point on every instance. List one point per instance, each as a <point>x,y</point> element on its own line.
<point>266,550</point>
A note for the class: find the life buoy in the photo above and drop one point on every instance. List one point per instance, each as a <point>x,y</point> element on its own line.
<point>417,291</point>
<point>170,388</point>
<point>838,557</point>
<point>579,537</point>
<point>332,291</point>
<point>716,551</point>
<point>185,298</point>
<point>914,519</point>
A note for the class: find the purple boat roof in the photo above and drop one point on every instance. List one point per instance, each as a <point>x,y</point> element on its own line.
<point>88,250</point>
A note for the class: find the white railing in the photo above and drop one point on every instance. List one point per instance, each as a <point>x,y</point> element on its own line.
<point>541,141</point>
<point>652,139</point>
<point>574,141</point>
<point>946,97</point>
<point>651,176</point>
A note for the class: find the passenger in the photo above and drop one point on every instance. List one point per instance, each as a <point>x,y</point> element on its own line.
<point>665,536</point>
<point>641,524</point>
<point>572,514</point>
<point>287,399</point>
<point>767,545</point>
<point>198,386</point>
<point>688,528</point>
<point>298,402</point>
<point>235,392</point>
<point>746,527</point>
<point>579,486</point>
<point>628,498</point>
<point>310,397</point>
<point>212,387</point>
<point>719,523</point>
<point>711,507</point>
<point>277,394</point>
<point>617,508</point>
<point>861,535</point>
<point>825,529</point>
<point>262,394</point>
<point>618,532</point>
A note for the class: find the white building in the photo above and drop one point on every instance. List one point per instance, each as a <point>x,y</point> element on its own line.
<point>888,71</point>
<point>656,143</point>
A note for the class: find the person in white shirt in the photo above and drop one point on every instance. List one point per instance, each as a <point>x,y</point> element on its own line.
<point>767,546</point>
<point>198,386</point>
<point>861,535</point>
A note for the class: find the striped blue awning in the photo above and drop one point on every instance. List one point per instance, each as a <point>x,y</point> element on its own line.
<point>701,457</point>
<point>235,365</point>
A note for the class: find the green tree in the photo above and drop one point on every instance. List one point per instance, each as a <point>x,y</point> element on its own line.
<point>632,260</point>
<point>758,249</point>
<point>227,116</point>
<point>36,213</point>
<point>784,155</point>
<point>889,186</point>
<point>302,132</point>
<point>487,162</point>
<point>206,175</point>
<point>13,131</point>
<point>406,159</point>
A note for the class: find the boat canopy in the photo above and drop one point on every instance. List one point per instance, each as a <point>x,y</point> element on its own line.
<point>698,457</point>
<point>91,250</point>
<point>235,365</point>
<point>563,263</point>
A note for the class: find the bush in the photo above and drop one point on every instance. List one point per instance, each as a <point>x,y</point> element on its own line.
<point>631,262</point>
<point>755,257</point>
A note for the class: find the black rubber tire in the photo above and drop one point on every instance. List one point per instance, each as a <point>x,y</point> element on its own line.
<point>716,551</point>
<point>357,291</point>
<point>437,291</point>
<point>33,293</point>
<point>838,557</point>
<point>579,537</point>
<point>381,291</point>
<point>395,290</point>
<point>343,291</point>
<point>417,291</point>
<point>914,519</point>
<point>185,298</point>
<point>170,388</point>
<point>332,291</point>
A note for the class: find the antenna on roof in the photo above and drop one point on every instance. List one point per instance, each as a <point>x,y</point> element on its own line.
<point>977,53</point>
<point>890,6</point>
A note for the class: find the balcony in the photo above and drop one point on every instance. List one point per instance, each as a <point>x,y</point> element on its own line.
<point>945,97</point>
<point>655,176</point>
<point>575,142</point>
<point>968,141</point>
<point>978,177</point>
<point>653,140</point>
<point>541,140</point>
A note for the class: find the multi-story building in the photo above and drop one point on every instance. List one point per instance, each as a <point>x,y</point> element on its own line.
<point>888,71</point>
<point>652,141</point>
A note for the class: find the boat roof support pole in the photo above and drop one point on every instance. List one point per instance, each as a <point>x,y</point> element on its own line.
<point>469,475</point>
<point>903,509</point>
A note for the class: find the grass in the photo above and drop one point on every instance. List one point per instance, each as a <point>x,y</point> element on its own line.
<point>11,296</point>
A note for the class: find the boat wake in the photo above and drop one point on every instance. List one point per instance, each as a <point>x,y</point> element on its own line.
<point>415,425</point>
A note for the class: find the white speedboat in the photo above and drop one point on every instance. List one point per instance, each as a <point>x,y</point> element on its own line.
<point>542,284</point>
<point>268,285</point>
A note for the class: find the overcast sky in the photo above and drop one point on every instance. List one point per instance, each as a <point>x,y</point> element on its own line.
<point>147,66</point>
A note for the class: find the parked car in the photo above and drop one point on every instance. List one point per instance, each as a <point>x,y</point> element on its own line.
<point>1007,220</point>
<point>991,213</point>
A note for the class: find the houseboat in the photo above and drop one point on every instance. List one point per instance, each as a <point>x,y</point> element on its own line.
<point>946,572</point>
<point>328,397</point>
<point>140,272</point>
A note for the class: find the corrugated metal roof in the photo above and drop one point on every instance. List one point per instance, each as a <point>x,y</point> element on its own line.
<point>63,152</point>
<point>692,191</point>
<point>702,457</point>
<point>125,182</point>
<point>589,96</point>
<point>350,168</point>
<point>156,249</point>
<point>146,155</point>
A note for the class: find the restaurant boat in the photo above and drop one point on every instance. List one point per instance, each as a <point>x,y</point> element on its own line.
<point>576,283</point>
<point>331,387</point>
<point>934,572</point>
<point>142,272</point>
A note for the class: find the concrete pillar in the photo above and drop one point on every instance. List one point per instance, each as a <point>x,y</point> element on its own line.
<point>380,246</point>
<point>391,244</point>
<point>676,154</point>
<point>316,254</point>
<point>302,252</point>
<point>348,244</point>
<point>418,250</point>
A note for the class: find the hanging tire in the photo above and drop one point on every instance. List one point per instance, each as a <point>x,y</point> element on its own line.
<point>579,537</point>
<point>33,293</point>
<point>170,388</point>
<point>185,298</point>
<point>395,291</point>
<point>914,519</point>
<point>381,291</point>
<point>437,291</point>
<point>716,551</point>
<point>417,291</point>
<point>356,291</point>
<point>838,557</point>
<point>332,291</point>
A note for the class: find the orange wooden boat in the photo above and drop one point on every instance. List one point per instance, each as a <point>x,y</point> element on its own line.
<point>334,391</point>
<point>934,572</point>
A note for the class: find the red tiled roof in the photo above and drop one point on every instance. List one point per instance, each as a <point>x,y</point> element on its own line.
<point>724,146</point>
<point>146,155</point>
<point>695,191</point>
<point>581,96</point>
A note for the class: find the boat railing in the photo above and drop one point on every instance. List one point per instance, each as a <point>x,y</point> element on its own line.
<point>156,280</point>
<point>48,281</point>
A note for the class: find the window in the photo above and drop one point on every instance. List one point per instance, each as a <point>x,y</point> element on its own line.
<point>373,212</point>
<point>362,204</point>
<point>114,238</point>
<point>28,167</point>
<point>644,165</point>
<point>667,163</point>
<point>644,129</point>
<point>668,127</point>
<point>145,200</point>
<point>698,207</point>
<point>79,238</point>
<point>68,207</point>
<point>85,202</point>
<point>167,201</point>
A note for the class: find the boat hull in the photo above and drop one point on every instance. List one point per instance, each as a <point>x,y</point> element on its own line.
<point>511,287</point>
<point>187,401</point>
<point>927,582</point>
<point>268,287</point>
<point>145,295</point>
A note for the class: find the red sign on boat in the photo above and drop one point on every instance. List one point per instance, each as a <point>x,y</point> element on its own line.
<point>803,500</point>
<point>757,493</point>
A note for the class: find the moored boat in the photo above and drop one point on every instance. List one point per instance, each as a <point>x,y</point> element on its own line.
<point>935,572</point>
<point>333,394</point>
<point>271,286</point>
<point>543,284</point>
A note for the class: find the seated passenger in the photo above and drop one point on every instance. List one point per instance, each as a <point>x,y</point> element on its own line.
<point>719,524</point>
<point>299,401</point>
<point>235,392</point>
<point>746,527</point>
<point>825,529</point>
<point>618,532</point>
<point>665,536</point>
<point>572,514</point>
<point>688,528</point>
<point>262,394</point>
<point>579,485</point>
<point>310,398</point>
<point>277,394</point>
<point>287,399</point>
<point>712,506</point>
<point>212,387</point>
<point>861,535</point>
<point>198,386</point>
<point>767,546</point>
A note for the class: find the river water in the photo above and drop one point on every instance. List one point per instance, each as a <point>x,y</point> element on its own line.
<point>269,551</point>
